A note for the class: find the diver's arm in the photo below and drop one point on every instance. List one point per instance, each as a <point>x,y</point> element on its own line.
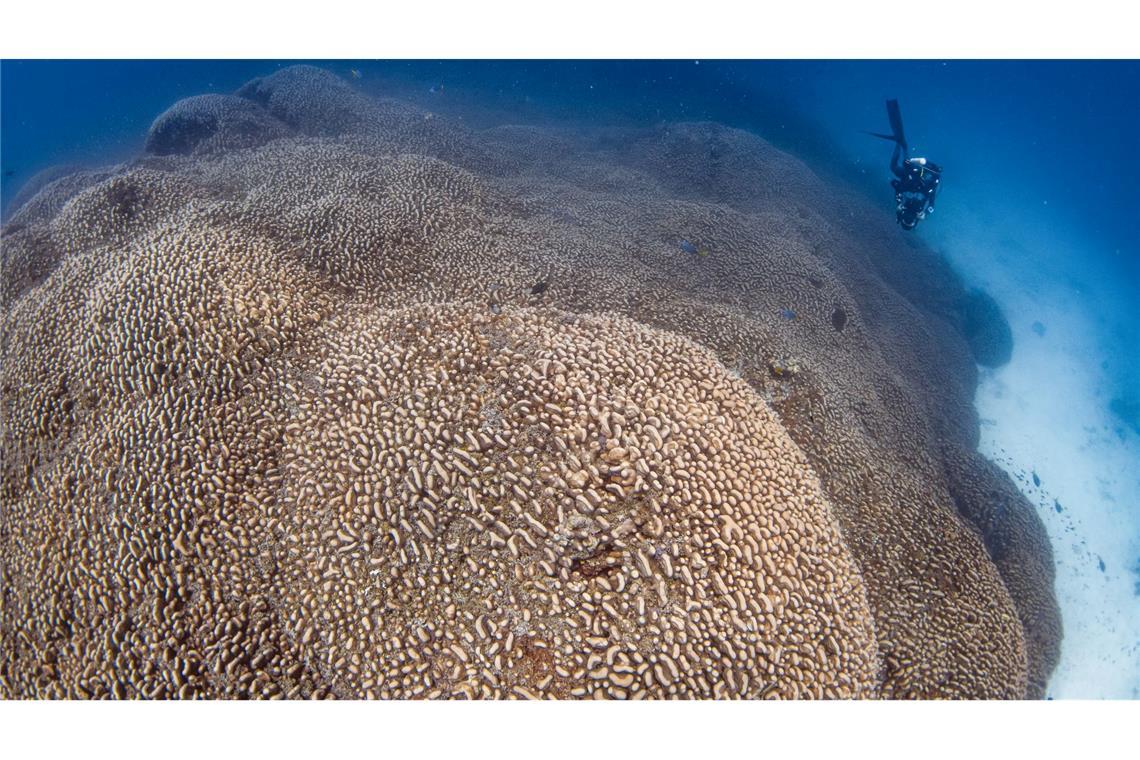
<point>933,191</point>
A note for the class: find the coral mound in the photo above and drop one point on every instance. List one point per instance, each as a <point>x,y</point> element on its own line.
<point>211,123</point>
<point>327,395</point>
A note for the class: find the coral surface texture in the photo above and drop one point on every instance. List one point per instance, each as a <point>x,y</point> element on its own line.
<point>326,395</point>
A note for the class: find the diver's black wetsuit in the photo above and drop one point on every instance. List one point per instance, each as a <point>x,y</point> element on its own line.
<point>915,187</point>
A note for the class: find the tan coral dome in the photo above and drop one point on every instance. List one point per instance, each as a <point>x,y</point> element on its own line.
<point>539,504</point>
<point>286,413</point>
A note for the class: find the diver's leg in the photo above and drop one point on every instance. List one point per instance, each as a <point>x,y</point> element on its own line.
<point>895,115</point>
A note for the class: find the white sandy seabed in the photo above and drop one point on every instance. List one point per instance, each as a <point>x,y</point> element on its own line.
<point>1046,413</point>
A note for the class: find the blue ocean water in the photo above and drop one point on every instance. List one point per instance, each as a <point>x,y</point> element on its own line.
<point>1037,207</point>
<point>1033,132</point>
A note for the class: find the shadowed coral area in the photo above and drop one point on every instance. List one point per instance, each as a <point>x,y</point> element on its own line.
<point>986,329</point>
<point>1019,547</point>
<point>329,396</point>
<point>212,123</point>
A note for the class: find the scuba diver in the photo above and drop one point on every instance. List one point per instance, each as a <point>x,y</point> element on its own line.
<point>916,179</point>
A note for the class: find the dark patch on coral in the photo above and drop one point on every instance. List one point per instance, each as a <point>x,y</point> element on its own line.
<point>838,319</point>
<point>125,200</point>
<point>599,561</point>
<point>1039,329</point>
<point>27,258</point>
<point>986,330</point>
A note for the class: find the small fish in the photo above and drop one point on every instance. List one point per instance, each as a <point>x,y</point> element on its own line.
<point>1036,480</point>
<point>688,247</point>
<point>787,314</point>
<point>355,73</point>
<point>436,89</point>
<point>539,288</point>
<point>9,172</point>
<point>1057,505</point>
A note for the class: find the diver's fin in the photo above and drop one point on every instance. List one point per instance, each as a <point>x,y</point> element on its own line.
<point>895,116</point>
<point>892,138</point>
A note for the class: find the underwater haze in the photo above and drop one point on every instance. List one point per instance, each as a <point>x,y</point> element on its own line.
<point>956,409</point>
